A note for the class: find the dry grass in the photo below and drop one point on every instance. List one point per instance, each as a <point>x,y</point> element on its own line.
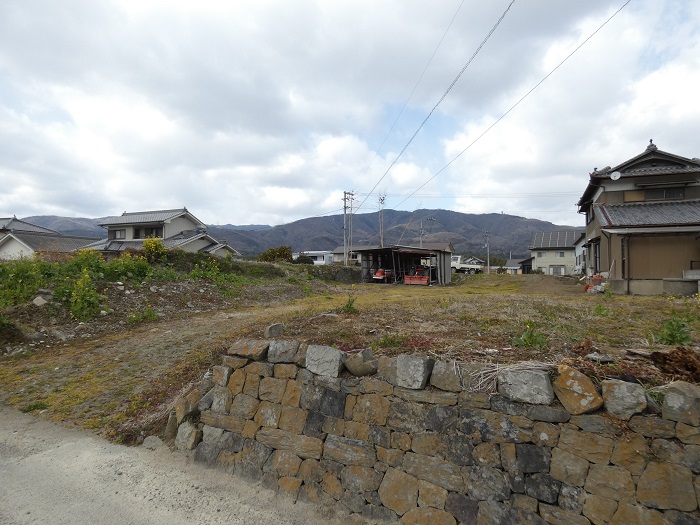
<point>122,380</point>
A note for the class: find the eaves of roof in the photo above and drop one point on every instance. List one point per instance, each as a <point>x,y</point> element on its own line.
<point>642,214</point>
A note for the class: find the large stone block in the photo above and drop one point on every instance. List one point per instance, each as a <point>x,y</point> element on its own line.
<point>682,403</point>
<point>527,386</point>
<point>623,399</point>
<point>349,451</point>
<point>271,389</point>
<point>413,371</point>
<point>627,514</point>
<point>187,405</point>
<point>250,349</point>
<point>586,445</point>
<point>543,487</point>
<point>435,470</point>
<point>362,363</point>
<point>398,491</point>
<point>652,426</point>
<point>531,458</point>
<point>325,360</point>
<point>599,509</point>
<point>610,482</point>
<point>446,376</point>
<point>632,453</point>
<point>568,468</point>
<point>576,391</point>
<point>372,409</point>
<point>486,483</point>
<point>303,446</point>
<point>282,351</point>
<point>188,436</point>
<point>359,479</point>
<point>433,397</point>
<point>462,507</point>
<point>667,486</point>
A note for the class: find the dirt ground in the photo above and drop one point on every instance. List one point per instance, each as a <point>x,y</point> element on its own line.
<point>118,374</point>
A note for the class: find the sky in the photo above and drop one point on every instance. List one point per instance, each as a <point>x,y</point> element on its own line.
<point>267,112</point>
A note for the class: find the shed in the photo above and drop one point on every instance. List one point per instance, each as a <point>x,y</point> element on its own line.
<point>400,263</point>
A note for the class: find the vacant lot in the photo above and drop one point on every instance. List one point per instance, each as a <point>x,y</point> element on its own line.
<point>119,373</point>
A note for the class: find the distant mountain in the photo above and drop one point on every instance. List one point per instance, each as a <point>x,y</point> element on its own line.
<point>509,235</point>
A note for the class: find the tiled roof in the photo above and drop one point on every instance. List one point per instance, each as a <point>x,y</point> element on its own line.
<point>15,224</point>
<point>556,239</point>
<point>51,242</point>
<point>659,213</point>
<point>145,217</point>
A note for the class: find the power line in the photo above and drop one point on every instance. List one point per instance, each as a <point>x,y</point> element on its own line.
<point>518,102</point>
<point>483,42</point>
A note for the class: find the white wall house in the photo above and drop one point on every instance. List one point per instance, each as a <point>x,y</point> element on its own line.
<point>553,253</point>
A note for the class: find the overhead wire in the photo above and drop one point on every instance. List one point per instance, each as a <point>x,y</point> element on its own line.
<point>499,119</point>
<point>471,59</point>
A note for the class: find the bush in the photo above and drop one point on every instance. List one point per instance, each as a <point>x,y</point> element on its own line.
<point>303,259</point>
<point>85,302</point>
<point>154,250</point>
<point>280,254</point>
<point>674,332</point>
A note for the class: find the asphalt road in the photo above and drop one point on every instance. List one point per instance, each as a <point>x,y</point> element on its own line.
<point>52,475</point>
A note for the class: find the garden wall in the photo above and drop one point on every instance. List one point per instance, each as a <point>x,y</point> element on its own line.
<point>405,439</point>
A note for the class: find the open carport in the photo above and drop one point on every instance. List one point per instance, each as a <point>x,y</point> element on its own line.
<point>428,264</point>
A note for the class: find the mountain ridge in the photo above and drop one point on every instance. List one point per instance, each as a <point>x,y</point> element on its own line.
<point>509,235</point>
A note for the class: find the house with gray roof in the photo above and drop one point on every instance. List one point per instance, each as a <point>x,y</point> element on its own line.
<point>22,239</point>
<point>643,224</point>
<point>178,228</point>
<point>553,253</point>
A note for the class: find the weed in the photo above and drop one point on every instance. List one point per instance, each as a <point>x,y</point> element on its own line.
<point>601,311</point>
<point>531,338</point>
<point>84,299</point>
<point>349,306</point>
<point>40,405</point>
<point>674,331</point>
<point>388,341</point>
<point>148,315</point>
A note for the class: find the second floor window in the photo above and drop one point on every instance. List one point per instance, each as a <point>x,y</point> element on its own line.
<point>558,254</point>
<point>153,232</point>
<point>663,194</point>
<point>541,254</point>
<point>116,234</point>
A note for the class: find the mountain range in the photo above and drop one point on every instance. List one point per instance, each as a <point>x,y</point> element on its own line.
<point>509,236</point>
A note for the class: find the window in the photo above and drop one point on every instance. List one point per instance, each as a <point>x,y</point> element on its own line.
<point>662,194</point>
<point>556,270</point>
<point>541,254</point>
<point>558,254</point>
<point>153,232</point>
<point>137,233</point>
<point>116,234</point>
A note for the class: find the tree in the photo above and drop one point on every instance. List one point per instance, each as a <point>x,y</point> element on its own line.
<point>279,254</point>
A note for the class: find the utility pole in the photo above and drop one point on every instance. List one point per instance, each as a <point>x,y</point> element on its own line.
<point>488,254</point>
<point>347,226</point>
<point>382,198</point>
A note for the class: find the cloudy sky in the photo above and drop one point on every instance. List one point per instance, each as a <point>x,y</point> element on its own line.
<point>265,112</point>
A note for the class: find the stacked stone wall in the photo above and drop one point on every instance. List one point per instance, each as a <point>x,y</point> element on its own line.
<point>407,439</point>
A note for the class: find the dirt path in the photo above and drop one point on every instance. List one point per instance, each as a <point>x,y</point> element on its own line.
<point>54,475</point>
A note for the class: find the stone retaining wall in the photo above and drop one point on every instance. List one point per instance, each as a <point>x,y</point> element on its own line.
<point>404,439</point>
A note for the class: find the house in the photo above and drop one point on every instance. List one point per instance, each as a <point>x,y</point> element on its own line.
<point>553,253</point>
<point>22,239</point>
<point>643,223</point>
<point>178,228</point>
<point>319,257</point>
<point>512,267</point>
<point>354,257</point>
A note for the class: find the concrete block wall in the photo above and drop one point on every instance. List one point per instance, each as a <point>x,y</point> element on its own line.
<point>407,442</point>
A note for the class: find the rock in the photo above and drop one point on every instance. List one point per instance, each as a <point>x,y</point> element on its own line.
<point>682,403</point>
<point>623,399</point>
<point>486,483</point>
<point>188,436</point>
<point>446,376</point>
<point>362,363</point>
<point>325,360</point>
<point>568,468</point>
<point>576,391</point>
<point>586,445</point>
<point>667,486</point>
<point>527,386</point>
<point>250,349</point>
<point>435,470</point>
<point>628,514</point>
<point>543,487</point>
<point>303,446</point>
<point>153,442</point>
<point>610,482</point>
<point>349,451</point>
<point>398,491</point>
<point>413,371</point>
<point>274,330</point>
<point>653,427</point>
<point>631,452</point>
<point>422,515</point>
<point>599,509</point>
<point>282,351</point>
<point>599,358</point>
<point>39,301</point>
<point>462,507</point>
<point>531,458</point>
<point>687,434</point>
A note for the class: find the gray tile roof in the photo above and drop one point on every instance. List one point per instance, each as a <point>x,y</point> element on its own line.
<point>556,239</point>
<point>659,213</point>
<point>146,217</point>
<point>15,224</point>
<point>51,242</point>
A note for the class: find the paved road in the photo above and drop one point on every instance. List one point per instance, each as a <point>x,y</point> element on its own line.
<point>52,475</point>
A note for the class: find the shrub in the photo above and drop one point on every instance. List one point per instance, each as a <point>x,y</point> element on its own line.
<point>85,302</point>
<point>154,249</point>
<point>674,332</point>
<point>279,254</point>
<point>303,259</point>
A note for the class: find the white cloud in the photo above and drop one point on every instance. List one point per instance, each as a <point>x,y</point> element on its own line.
<point>265,112</point>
